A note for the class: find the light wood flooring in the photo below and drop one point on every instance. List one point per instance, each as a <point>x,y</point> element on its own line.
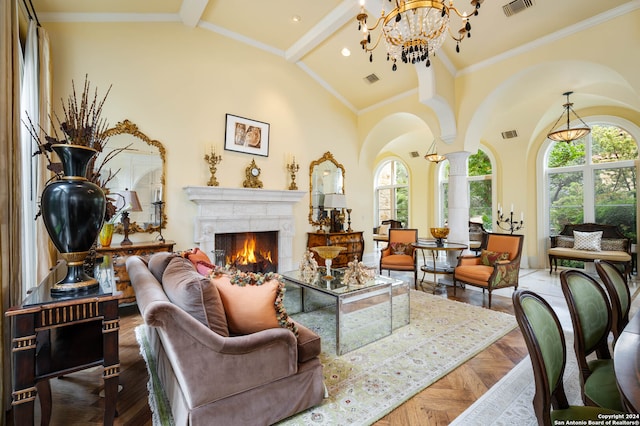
<point>76,399</point>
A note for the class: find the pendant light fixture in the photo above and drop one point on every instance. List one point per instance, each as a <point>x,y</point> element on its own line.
<point>569,134</point>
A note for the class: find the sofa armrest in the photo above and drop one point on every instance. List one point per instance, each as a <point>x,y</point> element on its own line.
<point>210,367</point>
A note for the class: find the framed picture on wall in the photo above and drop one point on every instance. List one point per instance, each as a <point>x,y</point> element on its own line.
<point>246,136</point>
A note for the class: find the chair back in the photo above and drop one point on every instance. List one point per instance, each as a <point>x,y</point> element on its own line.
<point>505,243</point>
<point>619,296</point>
<point>392,223</point>
<point>401,235</point>
<point>547,350</point>
<point>590,314</point>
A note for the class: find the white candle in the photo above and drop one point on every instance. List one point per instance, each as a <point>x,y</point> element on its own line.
<point>521,216</point>
<point>499,208</point>
<point>160,194</point>
<point>511,207</point>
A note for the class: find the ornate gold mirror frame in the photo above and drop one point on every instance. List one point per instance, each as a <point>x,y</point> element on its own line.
<point>326,176</point>
<point>126,127</point>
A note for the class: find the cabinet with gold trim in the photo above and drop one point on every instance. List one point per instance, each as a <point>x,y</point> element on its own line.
<point>119,256</point>
<point>353,242</point>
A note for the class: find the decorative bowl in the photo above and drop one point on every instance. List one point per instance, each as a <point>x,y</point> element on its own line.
<point>439,233</point>
<point>328,252</point>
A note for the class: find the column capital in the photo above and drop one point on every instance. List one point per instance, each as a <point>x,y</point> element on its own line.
<point>458,162</point>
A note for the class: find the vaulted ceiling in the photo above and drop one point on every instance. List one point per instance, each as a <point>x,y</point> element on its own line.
<point>312,33</point>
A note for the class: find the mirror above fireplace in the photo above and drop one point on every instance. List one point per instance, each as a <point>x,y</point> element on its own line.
<point>326,176</point>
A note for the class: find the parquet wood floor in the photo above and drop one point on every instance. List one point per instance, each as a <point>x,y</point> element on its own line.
<point>76,399</point>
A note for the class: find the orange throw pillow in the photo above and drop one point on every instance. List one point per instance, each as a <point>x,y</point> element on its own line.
<point>253,302</point>
<point>196,255</point>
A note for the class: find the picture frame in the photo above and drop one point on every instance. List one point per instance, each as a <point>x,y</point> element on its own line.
<point>246,136</point>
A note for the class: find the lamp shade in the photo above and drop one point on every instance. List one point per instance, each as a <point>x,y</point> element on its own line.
<point>335,201</point>
<point>129,198</point>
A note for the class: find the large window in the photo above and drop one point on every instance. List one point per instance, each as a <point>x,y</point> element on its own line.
<point>593,180</point>
<point>392,192</point>
<point>480,189</point>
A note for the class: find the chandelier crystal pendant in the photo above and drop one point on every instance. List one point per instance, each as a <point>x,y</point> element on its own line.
<point>415,29</point>
<point>569,134</point>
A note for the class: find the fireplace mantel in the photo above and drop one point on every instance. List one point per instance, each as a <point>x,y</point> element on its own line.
<point>224,210</point>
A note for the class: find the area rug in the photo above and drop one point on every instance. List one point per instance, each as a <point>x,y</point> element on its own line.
<point>367,383</point>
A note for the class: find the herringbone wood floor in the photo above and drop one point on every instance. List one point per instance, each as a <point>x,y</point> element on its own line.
<point>76,399</point>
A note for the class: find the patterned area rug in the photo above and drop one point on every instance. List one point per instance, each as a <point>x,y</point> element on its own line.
<point>367,383</point>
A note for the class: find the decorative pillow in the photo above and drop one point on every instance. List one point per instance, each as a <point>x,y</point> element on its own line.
<point>613,244</point>
<point>564,241</point>
<point>253,302</point>
<point>587,240</point>
<point>489,258</point>
<point>401,248</point>
<point>158,262</point>
<point>195,294</point>
<point>196,255</point>
<point>383,229</point>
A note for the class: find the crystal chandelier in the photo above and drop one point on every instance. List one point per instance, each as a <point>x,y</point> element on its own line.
<point>569,134</point>
<point>415,29</point>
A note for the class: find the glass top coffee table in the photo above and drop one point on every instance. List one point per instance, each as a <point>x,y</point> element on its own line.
<point>363,313</point>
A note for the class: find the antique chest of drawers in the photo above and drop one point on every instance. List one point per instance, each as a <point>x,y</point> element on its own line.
<point>353,242</point>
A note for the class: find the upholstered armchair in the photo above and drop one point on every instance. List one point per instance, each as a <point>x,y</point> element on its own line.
<point>399,255</point>
<point>497,266</point>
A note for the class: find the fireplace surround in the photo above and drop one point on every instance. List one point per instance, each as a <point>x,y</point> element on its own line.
<point>225,210</point>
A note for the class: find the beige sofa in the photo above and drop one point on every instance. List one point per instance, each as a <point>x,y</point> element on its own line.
<point>614,246</point>
<point>214,377</point>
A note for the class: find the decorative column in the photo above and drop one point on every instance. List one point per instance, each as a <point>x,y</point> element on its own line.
<point>458,197</point>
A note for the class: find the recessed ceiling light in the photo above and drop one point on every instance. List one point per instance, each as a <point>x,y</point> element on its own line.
<point>345,52</point>
<point>296,18</point>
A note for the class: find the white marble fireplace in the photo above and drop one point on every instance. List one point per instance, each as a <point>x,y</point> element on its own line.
<point>225,210</point>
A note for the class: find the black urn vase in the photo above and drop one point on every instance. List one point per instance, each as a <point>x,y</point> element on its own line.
<point>73,211</point>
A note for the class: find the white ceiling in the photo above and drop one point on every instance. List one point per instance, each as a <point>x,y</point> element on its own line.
<point>327,26</point>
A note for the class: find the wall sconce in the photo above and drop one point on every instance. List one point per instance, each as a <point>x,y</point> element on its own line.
<point>432,155</point>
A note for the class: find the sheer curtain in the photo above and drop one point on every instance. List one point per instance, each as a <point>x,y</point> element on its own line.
<point>34,106</point>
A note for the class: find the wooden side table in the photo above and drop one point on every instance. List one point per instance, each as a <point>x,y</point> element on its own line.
<point>352,241</point>
<point>119,255</point>
<point>54,336</point>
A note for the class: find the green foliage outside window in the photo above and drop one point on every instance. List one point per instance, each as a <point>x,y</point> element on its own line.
<point>614,195</point>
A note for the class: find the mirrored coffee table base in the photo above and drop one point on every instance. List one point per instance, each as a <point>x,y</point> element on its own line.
<point>363,313</point>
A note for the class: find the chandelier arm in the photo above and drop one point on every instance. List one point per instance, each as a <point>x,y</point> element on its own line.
<point>577,116</point>
<point>368,47</point>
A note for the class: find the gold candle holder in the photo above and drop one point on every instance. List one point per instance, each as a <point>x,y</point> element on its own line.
<point>213,160</point>
<point>293,169</point>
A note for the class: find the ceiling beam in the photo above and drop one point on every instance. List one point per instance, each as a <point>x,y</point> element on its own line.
<point>346,11</point>
<point>191,11</point>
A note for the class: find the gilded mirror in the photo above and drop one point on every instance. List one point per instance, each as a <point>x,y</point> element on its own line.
<point>140,167</point>
<point>326,176</point>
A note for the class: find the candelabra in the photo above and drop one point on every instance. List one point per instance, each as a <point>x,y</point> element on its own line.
<point>293,169</point>
<point>159,214</point>
<point>508,224</point>
<point>213,160</point>
<point>349,220</point>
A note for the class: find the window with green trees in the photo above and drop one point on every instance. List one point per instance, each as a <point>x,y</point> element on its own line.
<point>392,192</point>
<point>593,180</point>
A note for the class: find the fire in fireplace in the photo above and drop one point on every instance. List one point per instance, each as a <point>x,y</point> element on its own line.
<point>250,251</point>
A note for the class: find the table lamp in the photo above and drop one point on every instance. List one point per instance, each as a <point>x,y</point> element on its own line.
<point>131,204</point>
<point>337,202</point>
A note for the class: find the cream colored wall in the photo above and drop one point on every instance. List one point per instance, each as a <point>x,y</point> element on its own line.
<point>178,83</point>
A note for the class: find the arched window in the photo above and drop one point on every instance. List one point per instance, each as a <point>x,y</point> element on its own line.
<point>480,180</point>
<point>392,192</point>
<point>593,180</point>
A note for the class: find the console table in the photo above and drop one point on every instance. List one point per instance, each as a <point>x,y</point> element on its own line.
<point>353,242</point>
<point>55,336</point>
<point>119,255</point>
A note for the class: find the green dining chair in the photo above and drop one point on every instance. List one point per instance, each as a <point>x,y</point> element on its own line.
<point>591,318</point>
<point>619,296</point>
<point>548,353</point>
